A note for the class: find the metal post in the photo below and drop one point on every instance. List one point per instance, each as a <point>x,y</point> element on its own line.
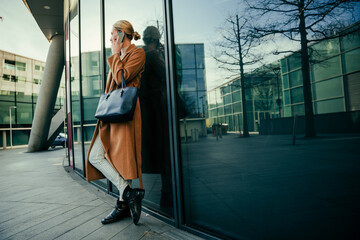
<point>294,131</point>
<point>278,100</point>
<point>11,143</point>
<point>4,139</point>
<point>10,128</point>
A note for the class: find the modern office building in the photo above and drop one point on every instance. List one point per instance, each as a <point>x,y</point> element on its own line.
<point>260,187</point>
<point>335,85</point>
<point>20,81</point>
<point>334,76</point>
<point>263,88</point>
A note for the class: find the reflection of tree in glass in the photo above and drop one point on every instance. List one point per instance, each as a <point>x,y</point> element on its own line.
<point>303,21</point>
<point>236,51</point>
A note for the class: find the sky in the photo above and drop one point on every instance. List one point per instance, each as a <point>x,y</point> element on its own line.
<point>19,32</point>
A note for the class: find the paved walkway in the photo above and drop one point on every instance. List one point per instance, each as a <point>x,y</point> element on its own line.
<point>40,200</point>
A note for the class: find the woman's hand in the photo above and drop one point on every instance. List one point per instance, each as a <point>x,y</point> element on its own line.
<point>115,47</point>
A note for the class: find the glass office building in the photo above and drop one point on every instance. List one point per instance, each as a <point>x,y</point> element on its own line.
<point>334,76</point>
<point>20,80</point>
<point>260,187</point>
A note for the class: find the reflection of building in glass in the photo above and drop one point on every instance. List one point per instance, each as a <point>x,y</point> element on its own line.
<point>190,78</point>
<point>335,74</point>
<point>262,92</point>
<point>191,84</point>
<point>20,79</point>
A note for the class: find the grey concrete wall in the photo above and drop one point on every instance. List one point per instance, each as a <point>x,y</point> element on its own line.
<point>47,95</point>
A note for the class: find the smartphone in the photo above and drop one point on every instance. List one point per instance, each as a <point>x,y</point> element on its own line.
<point>121,36</point>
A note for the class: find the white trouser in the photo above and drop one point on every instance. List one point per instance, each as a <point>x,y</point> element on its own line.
<point>98,160</point>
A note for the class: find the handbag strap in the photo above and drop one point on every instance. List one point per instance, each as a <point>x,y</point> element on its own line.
<point>123,83</point>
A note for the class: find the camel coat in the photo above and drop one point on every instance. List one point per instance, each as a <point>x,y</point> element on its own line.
<point>121,141</point>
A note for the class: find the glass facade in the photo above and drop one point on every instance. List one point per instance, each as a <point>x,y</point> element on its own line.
<point>20,81</point>
<point>329,69</point>
<point>261,99</point>
<point>200,174</point>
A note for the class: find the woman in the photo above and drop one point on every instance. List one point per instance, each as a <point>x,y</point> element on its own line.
<point>115,149</point>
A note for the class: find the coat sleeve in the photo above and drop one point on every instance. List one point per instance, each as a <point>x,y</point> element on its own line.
<point>132,67</point>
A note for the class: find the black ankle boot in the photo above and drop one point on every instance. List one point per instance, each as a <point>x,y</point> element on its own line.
<point>133,198</point>
<point>120,211</point>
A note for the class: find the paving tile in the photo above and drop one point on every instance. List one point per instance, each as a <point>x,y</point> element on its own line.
<point>38,220</point>
<point>34,231</point>
<point>71,223</point>
<point>108,231</point>
<point>132,232</point>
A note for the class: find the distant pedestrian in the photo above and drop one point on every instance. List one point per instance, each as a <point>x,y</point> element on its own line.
<point>115,150</point>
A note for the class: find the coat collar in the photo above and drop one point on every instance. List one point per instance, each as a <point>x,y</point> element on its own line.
<point>129,50</point>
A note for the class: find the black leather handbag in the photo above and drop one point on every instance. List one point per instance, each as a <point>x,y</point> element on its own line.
<point>118,105</point>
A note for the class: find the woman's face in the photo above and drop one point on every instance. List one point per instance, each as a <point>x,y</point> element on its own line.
<point>114,33</point>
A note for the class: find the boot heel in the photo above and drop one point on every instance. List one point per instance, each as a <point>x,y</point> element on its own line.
<point>141,193</point>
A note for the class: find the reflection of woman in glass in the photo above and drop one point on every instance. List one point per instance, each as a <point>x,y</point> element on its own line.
<point>115,150</point>
<point>155,130</point>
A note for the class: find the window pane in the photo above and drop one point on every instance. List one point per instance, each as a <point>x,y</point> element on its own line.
<point>235,85</point>
<point>75,86</point>
<point>285,81</point>
<point>287,97</point>
<point>237,107</point>
<point>20,66</point>
<point>220,111</point>
<point>227,99</point>
<point>296,78</point>
<point>5,113</point>
<point>147,17</point>
<point>236,96</point>
<point>9,64</point>
<point>228,109</point>
<point>283,65</point>
<point>324,49</point>
<point>186,56</point>
<point>199,55</point>
<point>212,99</point>
<point>297,95</point>
<point>331,106</point>
<point>225,90</point>
<point>90,63</point>
<point>24,113</point>
<point>328,89</point>
<point>188,82</point>
<point>200,79</point>
<point>219,98</point>
<point>294,61</point>
<point>244,188</point>
<point>352,61</point>
<point>287,112</point>
<point>326,69</point>
<point>298,110</point>
<point>350,41</point>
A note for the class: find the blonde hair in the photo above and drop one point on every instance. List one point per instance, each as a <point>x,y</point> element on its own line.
<point>127,28</point>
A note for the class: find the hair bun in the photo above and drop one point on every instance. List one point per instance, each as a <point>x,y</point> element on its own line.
<point>136,36</point>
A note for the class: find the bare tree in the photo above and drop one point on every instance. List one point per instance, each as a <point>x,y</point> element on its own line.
<point>303,21</point>
<point>234,52</point>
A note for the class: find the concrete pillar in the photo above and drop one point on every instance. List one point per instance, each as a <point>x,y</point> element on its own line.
<point>47,96</point>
